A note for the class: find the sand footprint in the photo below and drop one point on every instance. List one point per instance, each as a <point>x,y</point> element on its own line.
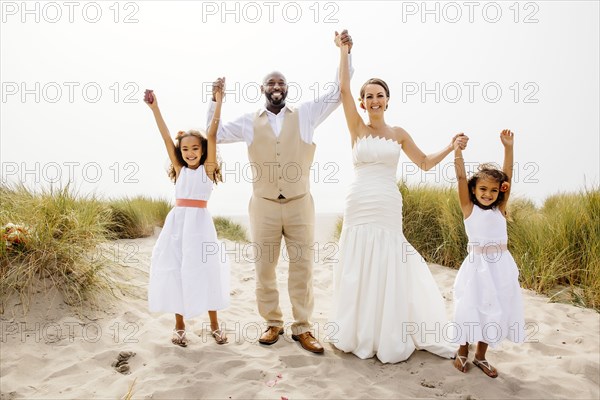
<point>122,364</point>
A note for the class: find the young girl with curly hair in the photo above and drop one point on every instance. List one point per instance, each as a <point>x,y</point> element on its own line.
<point>487,298</point>
<point>188,275</point>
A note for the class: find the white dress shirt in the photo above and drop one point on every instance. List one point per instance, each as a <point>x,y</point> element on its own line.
<point>310,115</point>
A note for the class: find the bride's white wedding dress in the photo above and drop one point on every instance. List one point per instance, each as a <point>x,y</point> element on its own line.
<point>386,302</point>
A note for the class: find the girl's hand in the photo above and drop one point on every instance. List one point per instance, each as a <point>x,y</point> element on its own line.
<point>219,89</point>
<point>218,85</point>
<point>150,99</point>
<point>507,138</point>
<point>459,141</point>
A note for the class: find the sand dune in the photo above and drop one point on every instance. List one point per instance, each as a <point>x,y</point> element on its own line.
<point>57,352</point>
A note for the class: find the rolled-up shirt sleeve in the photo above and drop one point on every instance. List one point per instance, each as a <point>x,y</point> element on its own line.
<point>234,131</point>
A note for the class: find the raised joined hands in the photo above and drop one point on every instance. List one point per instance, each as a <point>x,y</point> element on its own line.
<point>218,88</point>
<point>459,141</point>
<point>343,39</point>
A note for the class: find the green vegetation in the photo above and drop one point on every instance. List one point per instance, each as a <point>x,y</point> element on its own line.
<point>54,237</point>
<point>226,229</point>
<point>51,238</point>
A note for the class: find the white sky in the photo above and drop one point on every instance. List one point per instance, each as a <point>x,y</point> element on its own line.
<point>178,48</point>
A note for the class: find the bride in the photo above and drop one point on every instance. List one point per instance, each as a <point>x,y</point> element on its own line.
<point>386,302</point>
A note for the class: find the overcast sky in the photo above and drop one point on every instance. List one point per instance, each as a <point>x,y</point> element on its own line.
<point>73,76</point>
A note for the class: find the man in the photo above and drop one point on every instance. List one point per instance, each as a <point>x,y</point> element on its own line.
<point>281,149</point>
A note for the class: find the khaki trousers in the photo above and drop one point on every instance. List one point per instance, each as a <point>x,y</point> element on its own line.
<point>294,219</point>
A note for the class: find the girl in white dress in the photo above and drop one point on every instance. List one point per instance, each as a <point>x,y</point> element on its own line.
<point>487,298</point>
<point>188,275</point>
<point>386,302</point>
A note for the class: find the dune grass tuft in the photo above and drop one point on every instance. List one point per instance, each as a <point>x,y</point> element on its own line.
<point>227,229</point>
<point>64,233</point>
<point>136,217</point>
<point>60,240</point>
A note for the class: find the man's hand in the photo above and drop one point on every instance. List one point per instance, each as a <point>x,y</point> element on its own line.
<point>218,86</point>
<point>343,39</point>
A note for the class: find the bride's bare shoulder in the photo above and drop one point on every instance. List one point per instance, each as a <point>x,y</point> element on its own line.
<point>400,134</point>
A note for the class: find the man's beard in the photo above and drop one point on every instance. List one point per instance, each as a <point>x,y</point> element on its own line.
<point>278,100</point>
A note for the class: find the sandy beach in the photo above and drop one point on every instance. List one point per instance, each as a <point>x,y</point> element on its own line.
<point>56,352</point>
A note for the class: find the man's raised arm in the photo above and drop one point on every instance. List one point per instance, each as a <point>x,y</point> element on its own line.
<point>323,106</point>
<point>230,132</point>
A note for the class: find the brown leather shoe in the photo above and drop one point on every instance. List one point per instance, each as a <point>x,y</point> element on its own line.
<point>308,342</point>
<point>271,335</point>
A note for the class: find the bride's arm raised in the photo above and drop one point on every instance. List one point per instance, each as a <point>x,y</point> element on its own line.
<point>353,118</point>
<point>427,161</point>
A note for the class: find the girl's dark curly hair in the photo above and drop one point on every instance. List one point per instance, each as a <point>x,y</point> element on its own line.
<point>204,145</point>
<point>487,171</point>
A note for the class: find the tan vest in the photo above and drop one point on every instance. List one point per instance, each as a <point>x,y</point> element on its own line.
<point>280,165</point>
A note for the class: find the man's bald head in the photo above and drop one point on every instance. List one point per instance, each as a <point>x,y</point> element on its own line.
<point>275,88</point>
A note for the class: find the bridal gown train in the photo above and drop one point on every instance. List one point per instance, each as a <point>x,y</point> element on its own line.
<point>386,302</point>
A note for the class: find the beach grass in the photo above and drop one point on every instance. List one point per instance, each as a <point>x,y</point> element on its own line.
<point>432,223</point>
<point>132,218</point>
<point>556,246</point>
<point>227,229</point>
<point>65,235</point>
<point>64,229</point>
<point>129,394</point>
